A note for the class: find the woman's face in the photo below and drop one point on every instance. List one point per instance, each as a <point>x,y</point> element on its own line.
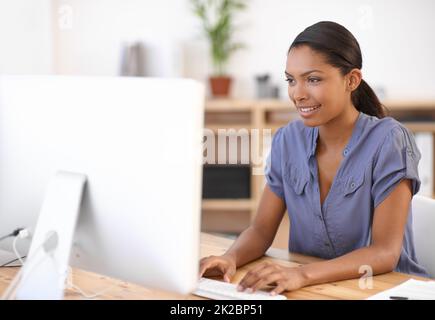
<point>318,90</point>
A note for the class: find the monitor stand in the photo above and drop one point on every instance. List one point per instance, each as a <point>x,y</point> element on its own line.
<point>46,268</point>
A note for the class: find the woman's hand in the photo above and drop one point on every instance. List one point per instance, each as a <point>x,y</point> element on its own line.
<point>283,278</point>
<point>218,265</point>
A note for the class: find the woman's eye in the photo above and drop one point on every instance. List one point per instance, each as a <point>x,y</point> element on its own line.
<point>314,80</point>
<point>290,81</point>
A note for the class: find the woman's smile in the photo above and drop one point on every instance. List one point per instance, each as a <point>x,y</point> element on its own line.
<point>308,111</point>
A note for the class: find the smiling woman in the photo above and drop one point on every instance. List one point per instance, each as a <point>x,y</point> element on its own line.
<point>346,174</point>
<point>333,58</point>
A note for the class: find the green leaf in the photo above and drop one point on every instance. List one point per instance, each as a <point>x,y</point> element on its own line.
<point>217,18</point>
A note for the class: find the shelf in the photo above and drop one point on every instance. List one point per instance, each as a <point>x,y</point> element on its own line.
<point>230,105</point>
<point>237,127</point>
<point>420,126</point>
<point>225,222</point>
<point>409,105</point>
<point>227,204</point>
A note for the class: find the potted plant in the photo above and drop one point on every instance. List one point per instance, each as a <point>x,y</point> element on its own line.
<point>217,22</point>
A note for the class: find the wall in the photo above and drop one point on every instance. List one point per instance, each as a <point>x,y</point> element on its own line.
<point>395,37</point>
<point>25,37</point>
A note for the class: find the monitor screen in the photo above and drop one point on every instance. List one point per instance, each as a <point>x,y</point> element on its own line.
<point>138,141</point>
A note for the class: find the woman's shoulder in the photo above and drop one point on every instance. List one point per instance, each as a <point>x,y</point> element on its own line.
<point>381,129</point>
<point>385,123</point>
<point>387,135</point>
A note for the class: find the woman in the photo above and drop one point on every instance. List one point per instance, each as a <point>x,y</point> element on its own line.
<point>346,175</point>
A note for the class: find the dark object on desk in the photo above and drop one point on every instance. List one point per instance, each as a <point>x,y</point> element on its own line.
<point>398,298</point>
<point>132,60</point>
<point>226,182</point>
<point>264,89</point>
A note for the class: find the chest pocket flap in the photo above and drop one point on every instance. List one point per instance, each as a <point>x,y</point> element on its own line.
<point>295,178</point>
<point>352,183</point>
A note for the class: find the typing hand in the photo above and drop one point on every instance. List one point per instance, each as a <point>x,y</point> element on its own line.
<point>283,278</point>
<point>218,265</point>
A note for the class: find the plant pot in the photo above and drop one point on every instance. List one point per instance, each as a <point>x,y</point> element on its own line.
<point>220,86</point>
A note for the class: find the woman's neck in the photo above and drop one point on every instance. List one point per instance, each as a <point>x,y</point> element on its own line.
<point>336,133</point>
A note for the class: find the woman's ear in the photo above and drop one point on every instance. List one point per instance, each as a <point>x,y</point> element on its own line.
<point>354,78</point>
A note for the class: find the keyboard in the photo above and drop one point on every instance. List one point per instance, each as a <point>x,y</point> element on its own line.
<point>219,290</point>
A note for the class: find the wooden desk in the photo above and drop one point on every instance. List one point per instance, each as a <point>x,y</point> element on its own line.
<point>210,244</point>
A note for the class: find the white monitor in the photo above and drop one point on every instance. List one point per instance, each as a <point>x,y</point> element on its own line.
<point>138,141</point>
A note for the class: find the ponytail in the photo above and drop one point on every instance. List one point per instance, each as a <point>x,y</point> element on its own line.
<point>365,100</point>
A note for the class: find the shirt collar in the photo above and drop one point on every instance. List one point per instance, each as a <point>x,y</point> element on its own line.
<point>313,134</point>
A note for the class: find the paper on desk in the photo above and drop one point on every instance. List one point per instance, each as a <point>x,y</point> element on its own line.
<point>412,289</point>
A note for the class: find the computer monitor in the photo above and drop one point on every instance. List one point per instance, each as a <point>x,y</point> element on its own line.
<point>138,141</point>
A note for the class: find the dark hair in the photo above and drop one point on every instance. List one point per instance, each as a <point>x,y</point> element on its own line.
<point>342,51</point>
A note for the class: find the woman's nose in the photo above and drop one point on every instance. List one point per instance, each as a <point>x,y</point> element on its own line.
<point>298,92</point>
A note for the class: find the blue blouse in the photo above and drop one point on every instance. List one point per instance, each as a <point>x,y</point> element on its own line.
<point>380,153</point>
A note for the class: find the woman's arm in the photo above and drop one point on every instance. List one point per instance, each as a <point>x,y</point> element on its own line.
<point>252,243</point>
<point>382,255</point>
<point>257,238</point>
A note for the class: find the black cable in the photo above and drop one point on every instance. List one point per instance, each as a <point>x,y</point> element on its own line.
<point>9,262</point>
<point>12,234</point>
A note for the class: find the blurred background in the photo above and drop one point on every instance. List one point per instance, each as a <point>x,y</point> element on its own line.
<point>87,37</point>
<point>166,38</point>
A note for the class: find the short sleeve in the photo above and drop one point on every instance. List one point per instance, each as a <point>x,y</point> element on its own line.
<point>396,159</point>
<point>273,169</point>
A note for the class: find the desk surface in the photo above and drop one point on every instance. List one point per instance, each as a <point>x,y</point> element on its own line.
<point>210,244</point>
